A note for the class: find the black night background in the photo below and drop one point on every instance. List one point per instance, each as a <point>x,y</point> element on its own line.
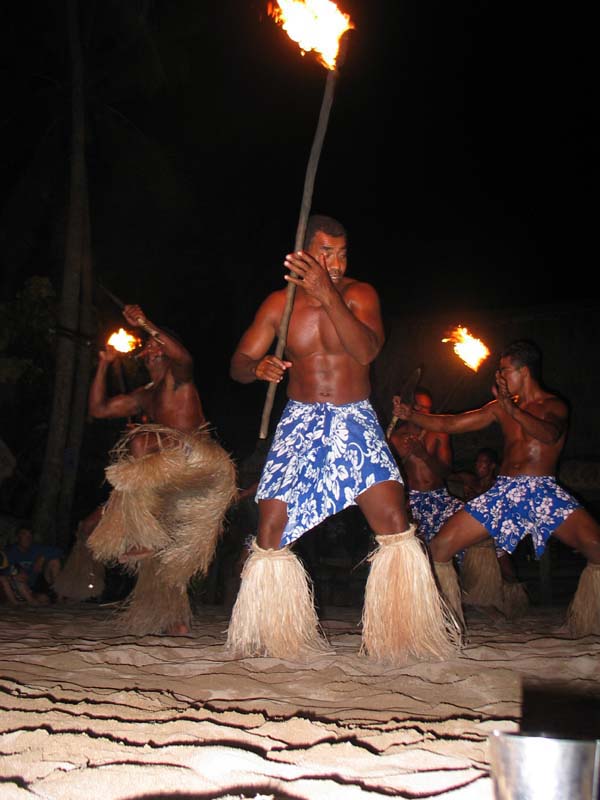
<point>458,154</point>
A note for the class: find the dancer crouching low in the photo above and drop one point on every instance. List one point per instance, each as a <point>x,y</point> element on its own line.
<point>525,497</point>
<point>172,484</point>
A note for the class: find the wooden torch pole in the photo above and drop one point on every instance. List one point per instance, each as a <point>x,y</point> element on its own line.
<point>309,183</point>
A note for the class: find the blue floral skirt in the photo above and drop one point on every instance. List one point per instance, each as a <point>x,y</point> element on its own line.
<point>516,506</point>
<point>322,457</point>
<point>431,509</point>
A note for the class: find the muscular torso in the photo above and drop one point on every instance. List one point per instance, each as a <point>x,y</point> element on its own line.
<point>174,405</point>
<point>418,473</point>
<point>523,454</point>
<point>322,371</point>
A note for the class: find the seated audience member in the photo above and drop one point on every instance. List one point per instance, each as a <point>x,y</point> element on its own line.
<point>33,569</point>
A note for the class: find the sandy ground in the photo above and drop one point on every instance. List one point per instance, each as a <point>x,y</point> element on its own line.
<point>88,713</point>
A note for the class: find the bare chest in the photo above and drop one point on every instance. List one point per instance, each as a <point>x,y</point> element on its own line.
<point>311,331</point>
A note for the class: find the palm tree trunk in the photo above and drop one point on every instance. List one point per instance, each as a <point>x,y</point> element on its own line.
<point>45,512</point>
<point>80,392</point>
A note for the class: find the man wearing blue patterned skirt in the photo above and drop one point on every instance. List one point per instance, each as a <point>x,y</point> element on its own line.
<point>328,452</point>
<point>526,497</point>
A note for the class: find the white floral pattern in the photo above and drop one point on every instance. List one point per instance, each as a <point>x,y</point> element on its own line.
<point>431,509</point>
<point>516,506</point>
<point>322,457</point>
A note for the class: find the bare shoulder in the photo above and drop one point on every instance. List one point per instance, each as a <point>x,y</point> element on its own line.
<point>269,311</point>
<point>554,405</point>
<point>276,297</point>
<point>273,303</point>
<point>359,291</point>
<point>491,410</point>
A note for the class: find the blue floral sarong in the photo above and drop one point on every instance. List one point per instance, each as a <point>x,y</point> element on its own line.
<point>321,458</point>
<point>516,506</point>
<point>431,509</point>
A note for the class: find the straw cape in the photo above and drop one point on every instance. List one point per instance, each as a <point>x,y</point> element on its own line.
<point>172,502</point>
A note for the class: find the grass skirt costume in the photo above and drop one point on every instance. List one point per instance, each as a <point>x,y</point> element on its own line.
<point>172,501</point>
<point>82,576</point>
<point>321,458</point>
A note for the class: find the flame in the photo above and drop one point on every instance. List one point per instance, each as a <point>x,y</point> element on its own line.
<point>315,24</point>
<point>123,341</point>
<point>471,350</point>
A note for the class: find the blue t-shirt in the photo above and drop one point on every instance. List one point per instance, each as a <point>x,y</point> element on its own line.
<point>25,560</point>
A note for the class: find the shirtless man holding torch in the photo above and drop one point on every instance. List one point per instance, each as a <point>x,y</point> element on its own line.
<point>170,399</point>
<point>525,497</point>
<point>172,483</point>
<point>328,452</point>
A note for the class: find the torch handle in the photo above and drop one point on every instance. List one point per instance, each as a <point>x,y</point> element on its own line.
<point>390,427</point>
<point>309,182</point>
<point>149,329</point>
<point>141,322</point>
<point>116,300</point>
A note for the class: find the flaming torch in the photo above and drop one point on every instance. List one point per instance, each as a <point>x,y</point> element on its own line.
<point>124,342</point>
<point>319,26</point>
<point>469,349</point>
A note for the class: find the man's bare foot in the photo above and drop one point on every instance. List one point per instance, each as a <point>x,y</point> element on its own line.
<point>178,629</point>
<point>135,553</point>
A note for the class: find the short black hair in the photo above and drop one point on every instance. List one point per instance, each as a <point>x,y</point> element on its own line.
<point>422,390</point>
<point>490,453</point>
<point>321,222</point>
<point>525,353</point>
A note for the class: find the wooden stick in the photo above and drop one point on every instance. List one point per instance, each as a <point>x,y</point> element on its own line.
<point>444,404</point>
<point>142,323</point>
<point>391,426</point>
<point>407,395</point>
<point>309,182</point>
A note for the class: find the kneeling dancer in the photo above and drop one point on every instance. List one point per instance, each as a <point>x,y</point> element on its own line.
<point>526,497</point>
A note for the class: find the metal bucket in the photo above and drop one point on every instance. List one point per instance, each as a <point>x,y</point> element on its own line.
<point>544,768</point>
